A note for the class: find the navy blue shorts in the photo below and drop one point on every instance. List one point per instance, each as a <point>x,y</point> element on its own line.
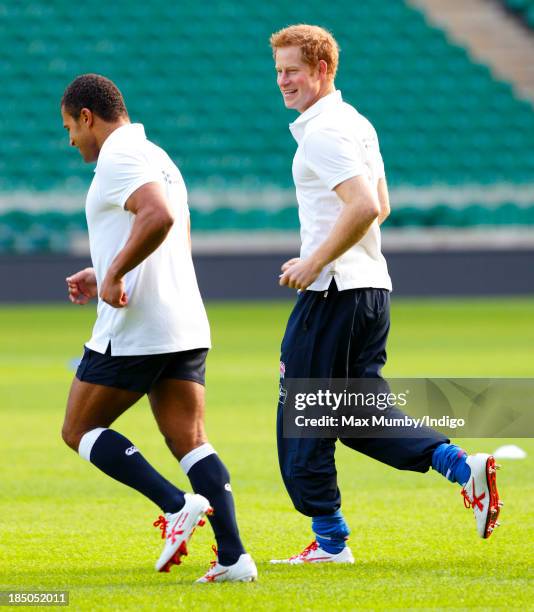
<point>140,372</point>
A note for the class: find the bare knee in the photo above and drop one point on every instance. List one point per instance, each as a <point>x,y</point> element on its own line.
<point>184,434</point>
<point>71,437</point>
<point>185,442</point>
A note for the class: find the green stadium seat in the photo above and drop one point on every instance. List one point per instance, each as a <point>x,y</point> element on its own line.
<point>285,219</point>
<point>523,8</point>
<point>518,5</point>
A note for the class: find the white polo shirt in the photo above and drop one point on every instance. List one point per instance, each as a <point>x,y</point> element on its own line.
<point>165,312</point>
<point>336,143</point>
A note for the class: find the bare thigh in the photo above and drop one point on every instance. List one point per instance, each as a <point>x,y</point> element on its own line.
<point>90,406</point>
<point>178,407</point>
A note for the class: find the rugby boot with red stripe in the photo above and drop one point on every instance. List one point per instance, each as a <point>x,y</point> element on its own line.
<point>243,570</point>
<point>177,529</point>
<point>313,553</point>
<point>480,493</point>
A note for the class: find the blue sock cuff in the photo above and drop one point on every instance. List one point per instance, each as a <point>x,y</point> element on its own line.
<point>332,526</point>
<point>450,461</point>
<point>331,532</point>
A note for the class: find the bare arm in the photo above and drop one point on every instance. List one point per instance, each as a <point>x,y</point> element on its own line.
<point>153,221</point>
<point>383,198</point>
<point>360,210</point>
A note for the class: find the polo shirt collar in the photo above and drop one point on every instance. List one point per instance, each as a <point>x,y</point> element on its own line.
<point>128,131</point>
<point>298,126</point>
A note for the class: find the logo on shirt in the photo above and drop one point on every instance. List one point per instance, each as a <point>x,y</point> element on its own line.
<point>170,177</point>
<point>131,450</point>
<point>228,487</point>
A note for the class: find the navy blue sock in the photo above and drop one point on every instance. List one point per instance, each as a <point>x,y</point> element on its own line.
<point>331,532</point>
<point>117,457</point>
<point>450,461</point>
<point>210,478</point>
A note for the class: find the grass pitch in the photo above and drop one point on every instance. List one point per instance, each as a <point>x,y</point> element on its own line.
<point>64,525</point>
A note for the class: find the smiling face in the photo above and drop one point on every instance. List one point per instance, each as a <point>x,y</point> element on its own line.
<point>81,135</point>
<point>301,84</point>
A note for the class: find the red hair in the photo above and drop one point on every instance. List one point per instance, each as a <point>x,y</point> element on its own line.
<point>315,43</point>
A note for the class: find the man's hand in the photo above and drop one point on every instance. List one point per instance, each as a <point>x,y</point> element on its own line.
<point>300,273</point>
<point>113,291</point>
<point>82,286</point>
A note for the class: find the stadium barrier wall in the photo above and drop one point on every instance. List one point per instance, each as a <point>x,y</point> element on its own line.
<point>41,279</point>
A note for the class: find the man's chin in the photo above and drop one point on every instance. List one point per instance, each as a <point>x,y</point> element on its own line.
<point>292,104</point>
<point>89,157</point>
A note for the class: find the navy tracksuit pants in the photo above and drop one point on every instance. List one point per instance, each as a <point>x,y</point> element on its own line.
<point>339,334</point>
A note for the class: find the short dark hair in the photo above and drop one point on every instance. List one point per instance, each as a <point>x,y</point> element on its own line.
<point>98,94</point>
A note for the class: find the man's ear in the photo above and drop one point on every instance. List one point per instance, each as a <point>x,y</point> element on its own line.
<point>323,69</point>
<point>86,117</point>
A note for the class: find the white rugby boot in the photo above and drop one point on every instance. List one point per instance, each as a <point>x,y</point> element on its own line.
<point>243,570</point>
<point>177,529</point>
<point>313,553</point>
<point>480,493</point>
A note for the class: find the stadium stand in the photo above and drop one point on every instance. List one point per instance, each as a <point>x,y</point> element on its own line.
<point>202,82</point>
<point>523,8</point>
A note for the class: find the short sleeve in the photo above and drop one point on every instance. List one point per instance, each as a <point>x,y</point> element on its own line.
<point>121,173</point>
<point>332,156</point>
<point>381,171</point>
